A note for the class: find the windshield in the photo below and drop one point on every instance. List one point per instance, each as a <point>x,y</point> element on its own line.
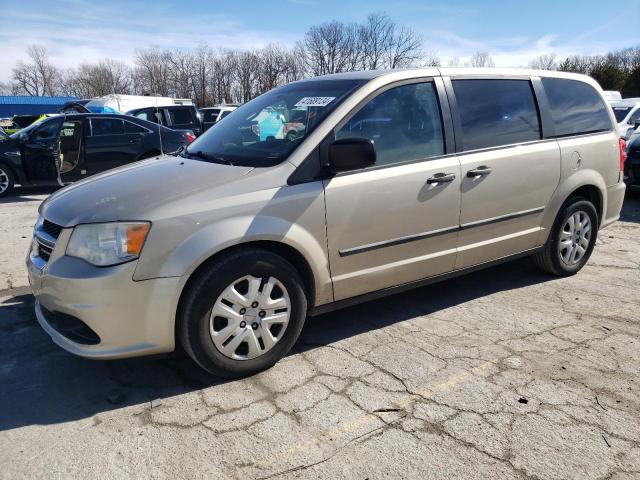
<point>621,113</point>
<point>265,131</point>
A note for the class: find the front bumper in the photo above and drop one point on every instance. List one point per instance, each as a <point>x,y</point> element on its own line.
<point>130,318</point>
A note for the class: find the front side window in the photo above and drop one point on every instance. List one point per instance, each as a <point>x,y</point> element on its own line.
<point>576,107</point>
<point>44,132</point>
<point>403,122</point>
<point>256,134</point>
<point>151,115</point>
<point>496,112</point>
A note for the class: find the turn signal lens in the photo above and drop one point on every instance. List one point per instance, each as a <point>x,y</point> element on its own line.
<point>136,235</point>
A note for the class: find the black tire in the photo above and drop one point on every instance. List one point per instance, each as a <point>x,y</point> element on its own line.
<point>10,178</point>
<point>202,293</point>
<point>548,259</point>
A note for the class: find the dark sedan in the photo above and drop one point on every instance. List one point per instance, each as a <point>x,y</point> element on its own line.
<point>66,148</point>
<point>632,165</point>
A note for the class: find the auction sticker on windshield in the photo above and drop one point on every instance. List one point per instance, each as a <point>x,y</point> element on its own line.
<point>314,101</point>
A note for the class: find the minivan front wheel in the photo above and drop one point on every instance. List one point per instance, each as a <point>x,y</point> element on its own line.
<point>571,240</point>
<point>243,313</point>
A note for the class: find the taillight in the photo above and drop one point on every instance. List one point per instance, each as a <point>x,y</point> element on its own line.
<point>623,153</point>
<point>190,137</point>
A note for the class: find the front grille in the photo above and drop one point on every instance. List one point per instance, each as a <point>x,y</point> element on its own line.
<point>45,236</point>
<point>44,252</point>
<point>51,229</point>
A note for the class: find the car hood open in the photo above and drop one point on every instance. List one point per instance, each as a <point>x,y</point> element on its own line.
<point>138,191</point>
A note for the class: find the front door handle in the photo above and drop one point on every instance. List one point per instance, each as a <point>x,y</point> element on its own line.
<point>481,171</point>
<point>134,140</point>
<point>442,178</point>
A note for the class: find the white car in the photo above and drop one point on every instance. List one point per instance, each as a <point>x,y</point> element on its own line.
<point>627,112</point>
<point>212,115</point>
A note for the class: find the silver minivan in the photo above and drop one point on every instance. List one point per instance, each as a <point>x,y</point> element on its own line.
<point>392,180</point>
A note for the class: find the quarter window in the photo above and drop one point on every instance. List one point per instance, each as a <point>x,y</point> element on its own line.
<point>133,128</point>
<point>180,116</point>
<point>403,122</point>
<point>576,107</point>
<point>496,112</point>
<point>106,126</point>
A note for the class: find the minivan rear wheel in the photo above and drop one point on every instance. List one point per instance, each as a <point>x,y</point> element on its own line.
<point>243,313</point>
<point>571,240</point>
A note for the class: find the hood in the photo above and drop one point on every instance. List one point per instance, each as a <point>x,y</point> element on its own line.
<point>8,144</point>
<point>137,191</point>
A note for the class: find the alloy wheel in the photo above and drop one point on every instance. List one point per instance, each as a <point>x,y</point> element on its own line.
<point>249,317</point>
<point>575,237</point>
<point>4,181</point>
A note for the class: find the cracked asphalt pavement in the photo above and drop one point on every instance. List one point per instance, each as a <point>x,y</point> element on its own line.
<point>505,373</point>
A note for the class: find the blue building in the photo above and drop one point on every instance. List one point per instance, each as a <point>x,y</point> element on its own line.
<point>22,105</point>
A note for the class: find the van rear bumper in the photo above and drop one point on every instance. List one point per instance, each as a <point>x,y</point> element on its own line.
<point>615,197</point>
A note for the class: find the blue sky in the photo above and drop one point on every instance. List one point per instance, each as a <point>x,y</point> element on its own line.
<point>513,32</point>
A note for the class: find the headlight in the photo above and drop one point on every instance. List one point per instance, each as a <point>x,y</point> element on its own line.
<point>105,244</point>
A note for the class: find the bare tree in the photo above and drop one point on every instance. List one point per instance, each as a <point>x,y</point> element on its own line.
<point>481,59</point>
<point>376,38</point>
<point>37,77</point>
<point>152,71</point>
<point>544,62</point>
<point>332,47</point>
<point>97,79</point>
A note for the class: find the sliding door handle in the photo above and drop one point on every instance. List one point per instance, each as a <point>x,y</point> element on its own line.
<point>442,178</point>
<point>481,171</point>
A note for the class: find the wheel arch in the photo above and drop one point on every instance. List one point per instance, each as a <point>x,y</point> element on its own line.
<point>286,251</point>
<point>588,184</point>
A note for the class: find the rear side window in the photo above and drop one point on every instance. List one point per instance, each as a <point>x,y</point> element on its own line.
<point>180,116</point>
<point>106,126</point>
<point>576,107</point>
<point>621,113</point>
<point>496,112</point>
<point>211,115</point>
<point>403,122</point>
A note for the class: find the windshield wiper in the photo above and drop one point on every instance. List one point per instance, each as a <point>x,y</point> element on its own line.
<point>207,157</point>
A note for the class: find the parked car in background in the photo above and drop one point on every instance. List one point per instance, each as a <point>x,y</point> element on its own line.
<point>66,148</point>
<point>212,115</point>
<point>398,179</point>
<point>627,112</point>
<point>116,103</point>
<point>22,121</point>
<point>612,95</point>
<point>176,117</point>
<point>632,170</point>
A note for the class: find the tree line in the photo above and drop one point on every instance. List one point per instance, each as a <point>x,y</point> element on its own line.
<point>211,76</point>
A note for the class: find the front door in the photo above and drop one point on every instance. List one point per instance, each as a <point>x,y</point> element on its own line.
<point>508,172</point>
<point>40,151</point>
<point>397,221</point>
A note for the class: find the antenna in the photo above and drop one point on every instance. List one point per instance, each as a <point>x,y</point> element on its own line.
<point>159,118</point>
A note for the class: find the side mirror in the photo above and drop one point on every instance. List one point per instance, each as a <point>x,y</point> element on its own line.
<point>351,153</point>
<point>636,124</point>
